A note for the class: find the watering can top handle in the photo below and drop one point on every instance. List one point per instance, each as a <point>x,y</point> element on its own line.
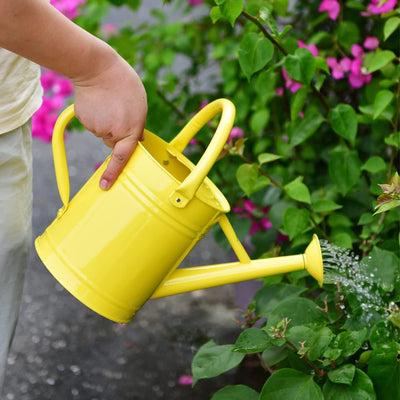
<point>189,186</point>
<point>187,189</point>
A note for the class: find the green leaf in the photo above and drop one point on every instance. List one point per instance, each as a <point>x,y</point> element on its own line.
<point>382,100</point>
<point>393,140</point>
<point>254,53</point>
<point>348,34</point>
<point>345,169</point>
<point>249,180</point>
<point>230,9</point>
<point>268,297</point>
<point>383,332</point>
<point>295,221</point>
<point>302,128</point>
<point>298,191</point>
<point>301,65</point>
<point>384,370</point>
<point>387,206</point>
<point>235,392</point>
<point>252,340</point>
<point>274,355</point>
<point>290,384</point>
<point>301,311</point>
<point>385,267</point>
<point>300,334</point>
<point>378,59</point>
<point>344,374</point>
<point>215,14</point>
<point>212,360</point>
<point>344,122</point>
<point>374,164</point>
<point>350,341</point>
<point>390,26</point>
<point>259,120</point>
<point>342,239</point>
<point>264,158</point>
<point>297,102</point>
<point>320,343</point>
<point>360,389</point>
<point>324,206</point>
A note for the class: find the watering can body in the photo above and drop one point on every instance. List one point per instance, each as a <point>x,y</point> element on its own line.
<point>115,249</point>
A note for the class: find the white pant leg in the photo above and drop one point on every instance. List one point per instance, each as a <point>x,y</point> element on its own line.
<point>15,229</point>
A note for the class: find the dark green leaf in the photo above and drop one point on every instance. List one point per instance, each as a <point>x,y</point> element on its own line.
<point>348,34</point>
<point>360,389</point>
<point>382,100</point>
<point>295,221</point>
<point>235,392</point>
<point>320,343</point>
<point>344,122</point>
<point>301,65</point>
<point>374,164</point>
<point>274,355</point>
<point>290,384</point>
<point>302,128</point>
<point>301,311</point>
<point>382,333</point>
<point>350,341</point>
<point>324,206</point>
<point>212,360</point>
<point>300,334</point>
<point>230,9</point>
<point>344,374</point>
<point>345,169</point>
<point>384,370</point>
<point>269,296</point>
<point>384,266</point>
<point>297,102</point>
<point>254,53</point>
<point>252,340</point>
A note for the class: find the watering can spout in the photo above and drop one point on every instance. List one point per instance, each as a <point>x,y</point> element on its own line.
<point>203,277</point>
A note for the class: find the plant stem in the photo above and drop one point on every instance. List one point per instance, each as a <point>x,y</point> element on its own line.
<point>265,364</point>
<point>169,103</point>
<point>273,181</point>
<point>260,26</point>
<point>319,371</point>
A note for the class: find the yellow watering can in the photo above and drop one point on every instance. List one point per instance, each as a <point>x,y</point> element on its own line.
<point>114,250</point>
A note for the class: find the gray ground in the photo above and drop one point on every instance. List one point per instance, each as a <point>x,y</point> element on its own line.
<point>62,350</point>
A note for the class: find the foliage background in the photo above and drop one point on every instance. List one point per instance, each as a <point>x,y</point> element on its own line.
<point>314,150</point>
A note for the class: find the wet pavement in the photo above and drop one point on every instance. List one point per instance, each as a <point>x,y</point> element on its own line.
<point>62,350</point>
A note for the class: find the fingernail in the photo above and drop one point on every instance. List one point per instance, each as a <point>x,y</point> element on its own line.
<point>104,184</point>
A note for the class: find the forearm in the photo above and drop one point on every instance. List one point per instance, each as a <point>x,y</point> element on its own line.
<point>36,30</point>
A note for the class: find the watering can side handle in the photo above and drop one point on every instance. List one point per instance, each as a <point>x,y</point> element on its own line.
<point>187,189</point>
<point>59,156</point>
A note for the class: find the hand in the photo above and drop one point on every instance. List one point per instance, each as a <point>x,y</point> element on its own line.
<point>113,106</point>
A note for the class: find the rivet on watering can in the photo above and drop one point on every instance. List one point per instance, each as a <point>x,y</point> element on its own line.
<point>166,162</point>
<point>178,200</point>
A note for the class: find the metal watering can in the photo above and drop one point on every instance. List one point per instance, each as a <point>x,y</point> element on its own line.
<point>114,250</point>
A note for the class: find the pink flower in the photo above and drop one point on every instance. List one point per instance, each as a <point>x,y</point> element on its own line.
<point>185,380</point>
<point>109,31</point>
<point>375,8</point>
<point>62,86</point>
<point>312,47</point>
<point>357,78</point>
<point>371,43</point>
<point>195,2</point>
<point>236,133</point>
<point>68,7</point>
<point>279,91</point>
<point>357,51</point>
<point>332,7</point>
<point>259,222</point>
<point>293,86</point>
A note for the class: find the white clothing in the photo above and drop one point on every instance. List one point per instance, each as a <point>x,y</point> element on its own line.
<point>20,90</point>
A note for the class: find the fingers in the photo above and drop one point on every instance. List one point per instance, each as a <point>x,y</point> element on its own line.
<point>123,149</point>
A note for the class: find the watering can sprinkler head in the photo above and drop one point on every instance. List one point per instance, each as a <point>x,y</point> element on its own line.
<point>313,260</point>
